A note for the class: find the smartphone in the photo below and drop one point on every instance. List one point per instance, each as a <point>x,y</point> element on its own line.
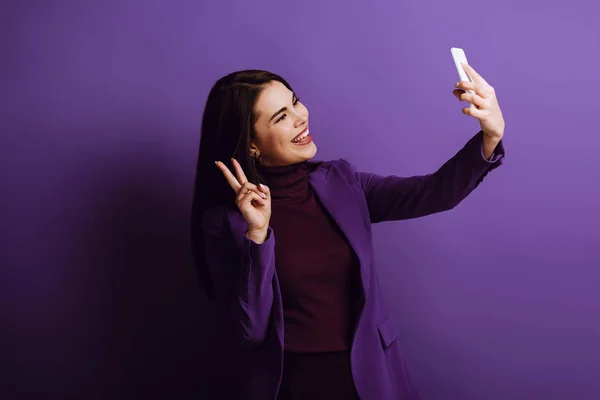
<point>460,57</point>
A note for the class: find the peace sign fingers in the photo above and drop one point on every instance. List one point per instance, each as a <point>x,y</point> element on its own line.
<point>239,172</point>
<point>232,180</point>
<point>254,202</point>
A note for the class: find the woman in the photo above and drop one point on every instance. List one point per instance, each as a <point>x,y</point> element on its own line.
<point>283,245</point>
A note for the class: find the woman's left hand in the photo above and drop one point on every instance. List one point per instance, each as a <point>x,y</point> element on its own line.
<point>488,111</point>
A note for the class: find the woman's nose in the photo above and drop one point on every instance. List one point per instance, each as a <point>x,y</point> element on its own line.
<point>301,119</point>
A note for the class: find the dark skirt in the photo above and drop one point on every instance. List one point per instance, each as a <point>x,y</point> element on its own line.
<point>317,376</point>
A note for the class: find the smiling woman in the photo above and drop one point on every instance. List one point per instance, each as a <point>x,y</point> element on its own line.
<point>281,137</point>
<point>251,116</point>
<point>307,307</point>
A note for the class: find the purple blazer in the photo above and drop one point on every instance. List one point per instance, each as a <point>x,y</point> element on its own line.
<point>248,298</point>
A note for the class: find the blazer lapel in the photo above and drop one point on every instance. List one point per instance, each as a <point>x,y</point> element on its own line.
<point>339,198</point>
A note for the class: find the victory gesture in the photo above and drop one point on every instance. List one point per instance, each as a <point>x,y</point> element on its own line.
<point>253,201</point>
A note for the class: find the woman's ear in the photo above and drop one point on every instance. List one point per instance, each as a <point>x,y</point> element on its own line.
<point>254,152</point>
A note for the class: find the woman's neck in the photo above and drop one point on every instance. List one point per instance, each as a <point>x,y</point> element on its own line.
<point>286,181</point>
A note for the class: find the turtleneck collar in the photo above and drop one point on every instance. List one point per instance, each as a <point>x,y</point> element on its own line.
<point>289,181</point>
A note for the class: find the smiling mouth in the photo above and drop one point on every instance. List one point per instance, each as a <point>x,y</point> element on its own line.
<point>301,136</point>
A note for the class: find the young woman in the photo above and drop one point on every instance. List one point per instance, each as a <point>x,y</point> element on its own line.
<point>283,244</point>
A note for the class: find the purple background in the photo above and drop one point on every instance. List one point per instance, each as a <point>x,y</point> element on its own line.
<point>101,107</point>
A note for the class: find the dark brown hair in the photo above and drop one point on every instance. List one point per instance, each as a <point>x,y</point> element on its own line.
<point>227,131</point>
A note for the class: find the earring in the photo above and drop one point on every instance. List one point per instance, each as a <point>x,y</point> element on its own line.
<point>256,156</point>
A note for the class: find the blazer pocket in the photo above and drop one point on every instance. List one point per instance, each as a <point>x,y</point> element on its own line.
<point>387,332</point>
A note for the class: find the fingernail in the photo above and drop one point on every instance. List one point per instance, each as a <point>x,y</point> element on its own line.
<point>262,186</point>
<point>217,163</point>
<point>264,196</point>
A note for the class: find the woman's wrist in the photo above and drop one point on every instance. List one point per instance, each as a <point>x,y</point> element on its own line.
<point>259,236</point>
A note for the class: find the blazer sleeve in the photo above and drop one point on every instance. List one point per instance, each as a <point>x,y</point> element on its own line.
<point>242,274</point>
<point>391,198</point>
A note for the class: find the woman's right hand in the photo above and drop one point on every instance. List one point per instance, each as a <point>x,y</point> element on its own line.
<point>254,202</point>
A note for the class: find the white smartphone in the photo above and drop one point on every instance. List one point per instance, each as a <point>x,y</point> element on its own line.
<point>460,57</point>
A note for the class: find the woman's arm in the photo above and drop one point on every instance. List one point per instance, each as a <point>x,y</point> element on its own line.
<point>242,274</point>
<point>392,198</point>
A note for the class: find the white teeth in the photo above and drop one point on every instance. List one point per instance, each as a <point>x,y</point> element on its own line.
<point>299,138</point>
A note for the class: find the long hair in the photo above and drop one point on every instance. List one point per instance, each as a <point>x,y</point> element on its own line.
<point>227,131</point>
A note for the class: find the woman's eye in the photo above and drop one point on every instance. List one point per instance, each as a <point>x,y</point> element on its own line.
<point>284,116</point>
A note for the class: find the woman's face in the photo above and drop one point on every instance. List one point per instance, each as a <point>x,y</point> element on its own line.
<point>282,136</point>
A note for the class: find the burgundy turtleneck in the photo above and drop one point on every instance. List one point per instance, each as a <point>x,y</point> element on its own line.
<point>315,264</point>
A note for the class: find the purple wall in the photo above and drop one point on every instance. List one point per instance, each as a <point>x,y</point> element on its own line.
<point>101,106</point>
